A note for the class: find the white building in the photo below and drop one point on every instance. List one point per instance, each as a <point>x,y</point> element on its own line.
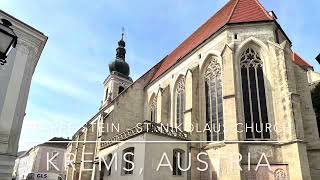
<point>35,160</point>
<point>15,80</point>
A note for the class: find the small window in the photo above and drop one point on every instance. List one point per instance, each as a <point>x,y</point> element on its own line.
<point>107,94</point>
<point>128,154</point>
<point>235,36</point>
<point>54,161</point>
<point>54,153</point>
<point>177,162</point>
<point>120,89</point>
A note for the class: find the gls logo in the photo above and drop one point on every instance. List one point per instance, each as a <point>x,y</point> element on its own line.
<point>42,175</point>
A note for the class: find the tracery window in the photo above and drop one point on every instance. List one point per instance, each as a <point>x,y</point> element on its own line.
<point>254,97</point>
<point>214,103</point>
<point>153,109</point>
<point>180,102</point>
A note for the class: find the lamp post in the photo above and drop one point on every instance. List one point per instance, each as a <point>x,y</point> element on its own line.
<point>8,40</point>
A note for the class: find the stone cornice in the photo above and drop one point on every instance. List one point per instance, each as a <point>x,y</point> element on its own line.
<point>28,36</point>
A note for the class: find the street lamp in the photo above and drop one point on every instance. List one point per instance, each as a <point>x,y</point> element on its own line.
<point>8,40</point>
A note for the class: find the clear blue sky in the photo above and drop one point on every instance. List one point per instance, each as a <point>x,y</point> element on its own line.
<point>67,85</point>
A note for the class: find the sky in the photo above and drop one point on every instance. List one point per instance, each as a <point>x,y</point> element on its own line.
<point>66,89</point>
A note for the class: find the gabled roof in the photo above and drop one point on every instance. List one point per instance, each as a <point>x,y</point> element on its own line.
<point>299,61</point>
<point>235,11</point>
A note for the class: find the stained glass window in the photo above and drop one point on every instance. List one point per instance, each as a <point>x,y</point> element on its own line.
<point>214,101</point>
<point>254,97</point>
<point>180,102</point>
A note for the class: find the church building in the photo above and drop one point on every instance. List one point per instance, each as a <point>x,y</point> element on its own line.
<point>232,101</point>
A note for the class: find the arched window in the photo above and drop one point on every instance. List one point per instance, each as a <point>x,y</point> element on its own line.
<point>177,161</point>
<point>254,97</point>
<point>107,94</point>
<point>214,103</point>
<point>153,109</point>
<point>128,154</point>
<point>180,102</point>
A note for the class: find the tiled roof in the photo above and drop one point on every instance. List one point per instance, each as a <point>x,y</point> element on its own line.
<point>235,11</point>
<point>58,142</point>
<point>299,61</point>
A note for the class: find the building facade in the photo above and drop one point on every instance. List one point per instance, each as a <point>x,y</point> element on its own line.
<point>15,80</point>
<point>35,160</point>
<point>231,97</point>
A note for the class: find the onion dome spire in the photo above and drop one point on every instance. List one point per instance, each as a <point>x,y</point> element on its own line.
<point>119,65</point>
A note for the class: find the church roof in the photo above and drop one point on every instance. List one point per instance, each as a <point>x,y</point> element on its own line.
<point>299,61</point>
<point>235,11</point>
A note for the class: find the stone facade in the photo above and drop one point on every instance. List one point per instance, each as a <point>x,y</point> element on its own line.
<point>293,152</point>
<point>15,80</point>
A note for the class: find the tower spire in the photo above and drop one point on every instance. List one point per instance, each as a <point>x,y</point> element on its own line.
<point>119,65</point>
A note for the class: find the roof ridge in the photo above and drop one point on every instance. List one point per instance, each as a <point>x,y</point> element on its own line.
<point>234,7</point>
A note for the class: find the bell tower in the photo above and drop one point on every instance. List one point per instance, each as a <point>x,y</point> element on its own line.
<point>119,78</point>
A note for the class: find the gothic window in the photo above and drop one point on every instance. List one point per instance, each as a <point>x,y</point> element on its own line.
<point>254,97</point>
<point>153,109</point>
<point>121,88</point>
<point>128,154</point>
<point>213,99</point>
<point>180,102</point>
<point>177,162</point>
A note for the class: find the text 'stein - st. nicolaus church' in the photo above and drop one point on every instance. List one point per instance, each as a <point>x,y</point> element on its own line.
<point>234,96</point>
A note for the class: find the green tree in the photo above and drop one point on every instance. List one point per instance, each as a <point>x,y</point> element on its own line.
<point>315,94</point>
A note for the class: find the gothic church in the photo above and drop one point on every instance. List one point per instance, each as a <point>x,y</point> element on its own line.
<point>227,86</point>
